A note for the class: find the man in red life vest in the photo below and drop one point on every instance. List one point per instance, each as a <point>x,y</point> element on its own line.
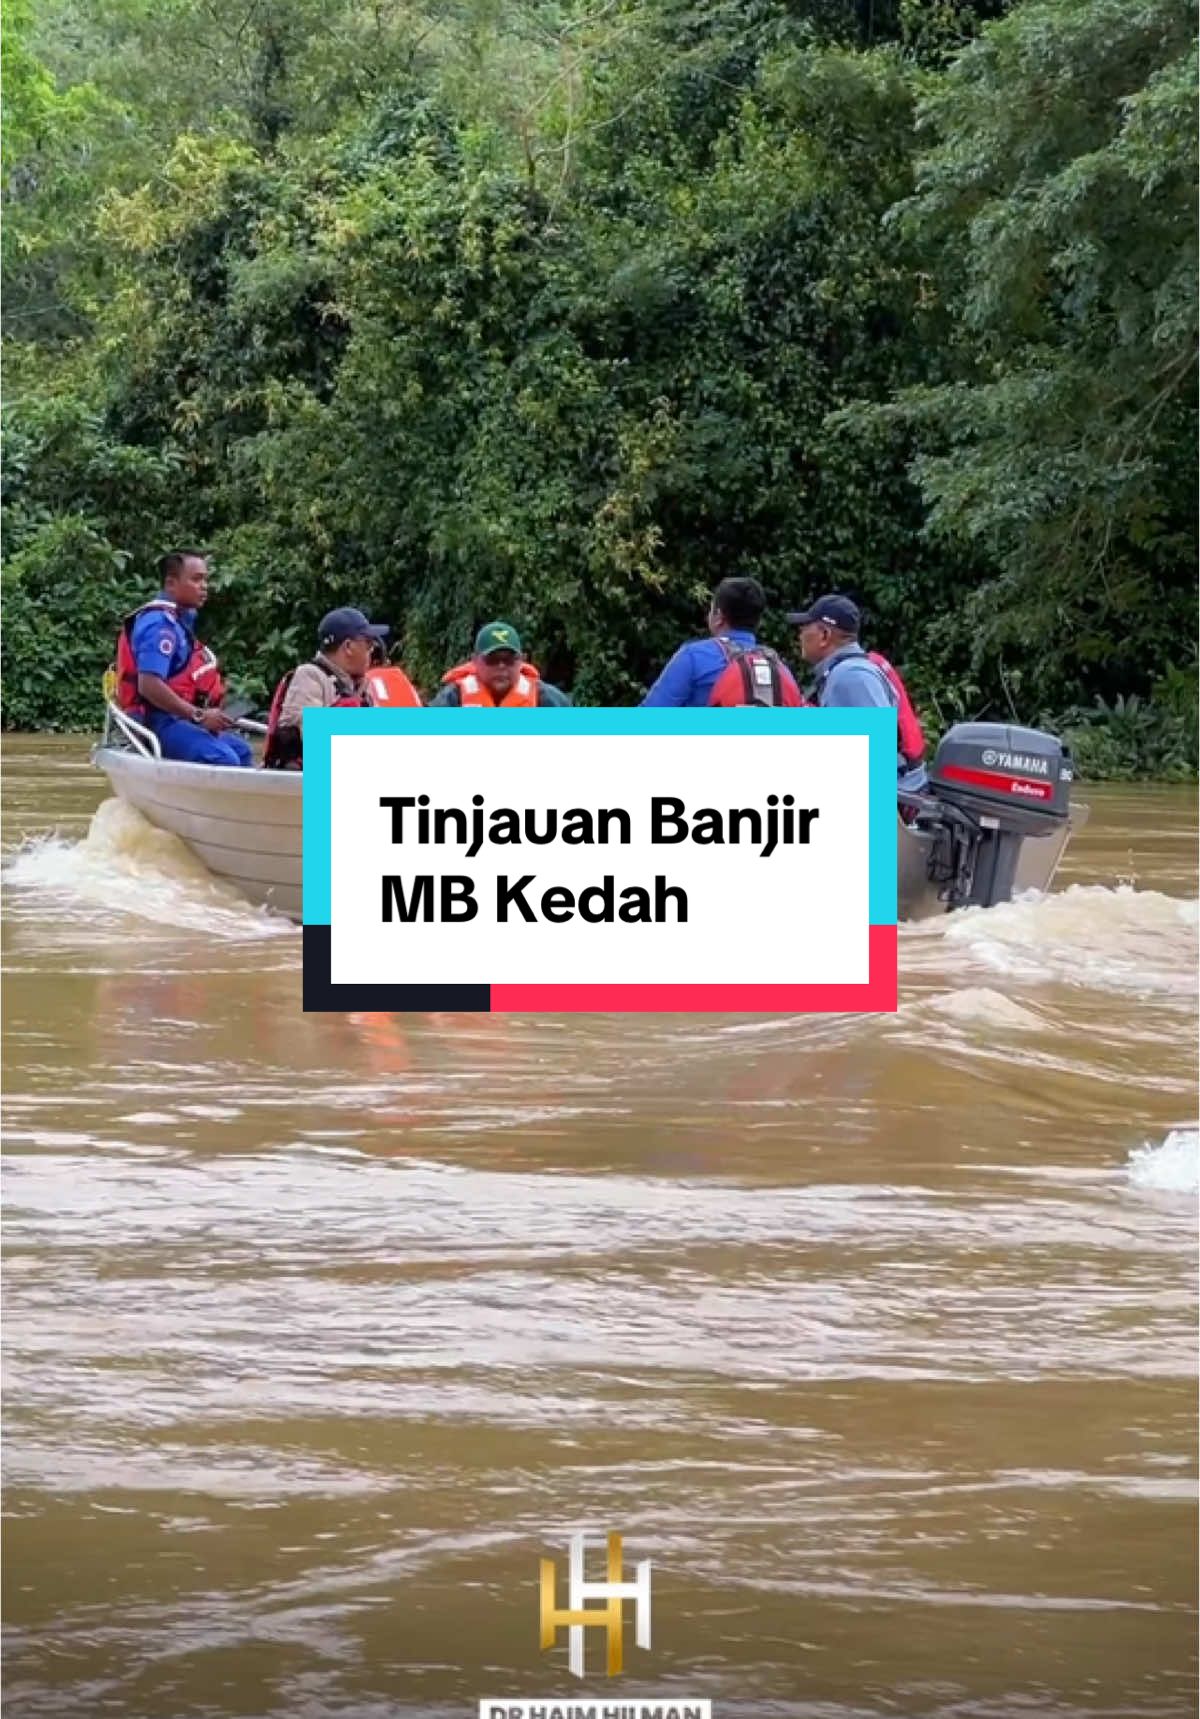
<point>168,680</point>
<point>847,676</point>
<point>730,667</point>
<point>334,679</point>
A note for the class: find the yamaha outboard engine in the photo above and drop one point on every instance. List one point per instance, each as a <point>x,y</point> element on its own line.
<point>994,787</point>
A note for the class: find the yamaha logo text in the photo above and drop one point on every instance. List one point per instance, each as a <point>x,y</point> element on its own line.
<point>1017,761</point>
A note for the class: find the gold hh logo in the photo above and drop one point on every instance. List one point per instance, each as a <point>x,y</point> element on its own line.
<point>578,1616</point>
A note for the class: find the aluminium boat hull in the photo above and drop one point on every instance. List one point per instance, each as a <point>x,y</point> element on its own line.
<point>246,827</point>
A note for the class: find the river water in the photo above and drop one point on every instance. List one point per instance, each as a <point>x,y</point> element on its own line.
<point>875,1335</point>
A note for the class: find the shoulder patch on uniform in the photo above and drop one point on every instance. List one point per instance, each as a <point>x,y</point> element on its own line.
<point>166,644</point>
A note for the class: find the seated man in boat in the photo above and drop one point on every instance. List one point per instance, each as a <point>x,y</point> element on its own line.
<point>387,683</point>
<point>497,677</point>
<point>730,667</point>
<point>167,679</point>
<point>336,678</point>
<point>848,677</point>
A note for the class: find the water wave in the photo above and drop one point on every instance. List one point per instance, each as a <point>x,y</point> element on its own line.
<point>980,1005</point>
<point>1137,941</point>
<point>1172,1166</point>
<point>125,865</point>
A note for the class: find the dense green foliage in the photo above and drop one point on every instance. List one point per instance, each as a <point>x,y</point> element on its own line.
<point>564,314</point>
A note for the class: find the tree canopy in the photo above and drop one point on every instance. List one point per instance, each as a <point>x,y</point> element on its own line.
<point>564,311</point>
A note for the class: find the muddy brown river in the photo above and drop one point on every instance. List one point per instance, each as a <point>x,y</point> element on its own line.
<point>876,1336</point>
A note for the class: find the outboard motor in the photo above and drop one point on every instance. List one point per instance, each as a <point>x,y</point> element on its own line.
<point>994,787</point>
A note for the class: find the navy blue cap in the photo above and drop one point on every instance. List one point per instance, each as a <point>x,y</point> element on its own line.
<point>342,624</point>
<point>831,611</point>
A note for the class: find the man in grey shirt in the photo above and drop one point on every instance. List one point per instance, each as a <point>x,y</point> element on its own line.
<point>844,675</point>
<point>335,677</point>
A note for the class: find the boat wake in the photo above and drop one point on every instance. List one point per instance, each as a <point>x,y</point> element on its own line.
<point>125,865</point>
<point>1138,942</point>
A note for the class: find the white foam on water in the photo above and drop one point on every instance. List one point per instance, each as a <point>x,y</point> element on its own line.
<point>125,865</point>
<point>1139,942</point>
<point>979,1005</point>
<point>1173,1166</point>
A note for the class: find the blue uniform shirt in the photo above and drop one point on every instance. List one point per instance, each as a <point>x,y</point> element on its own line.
<point>849,680</point>
<point>689,677</point>
<point>162,640</point>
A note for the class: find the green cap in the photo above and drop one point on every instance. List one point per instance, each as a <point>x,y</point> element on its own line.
<point>497,636</point>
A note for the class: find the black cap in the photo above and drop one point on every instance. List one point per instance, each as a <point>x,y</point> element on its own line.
<point>342,624</point>
<point>831,611</point>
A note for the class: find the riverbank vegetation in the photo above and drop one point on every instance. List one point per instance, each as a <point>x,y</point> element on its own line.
<point>563,309</point>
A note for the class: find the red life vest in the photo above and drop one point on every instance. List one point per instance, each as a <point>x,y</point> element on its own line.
<point>908,724</point>
<point>522,695</point>
<point>753,674</point>
<point>273,758</point>
<point>197,682</point>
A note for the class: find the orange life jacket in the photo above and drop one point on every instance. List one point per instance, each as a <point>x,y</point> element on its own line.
<point>390,688</point>
<point>522,695</point>
<point>272,756</point>
<point>197,682</point>
<point>908,723</point>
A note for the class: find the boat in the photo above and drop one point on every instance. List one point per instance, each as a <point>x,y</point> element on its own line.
<point>244,825</point>
<point>994,820</point>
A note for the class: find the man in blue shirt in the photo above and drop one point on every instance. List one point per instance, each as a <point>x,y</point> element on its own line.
<point>843,673</point>
<point>166,656</point>
<point>689,677</point>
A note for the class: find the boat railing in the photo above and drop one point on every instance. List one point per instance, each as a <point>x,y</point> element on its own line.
<point>120,726</point>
